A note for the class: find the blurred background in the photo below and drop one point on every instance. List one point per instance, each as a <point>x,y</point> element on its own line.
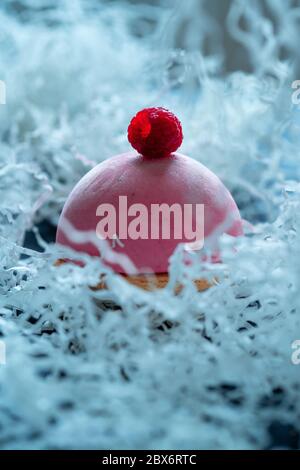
<point>86,370</point>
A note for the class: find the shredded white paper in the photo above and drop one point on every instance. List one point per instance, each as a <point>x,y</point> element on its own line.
<point>121,367</point>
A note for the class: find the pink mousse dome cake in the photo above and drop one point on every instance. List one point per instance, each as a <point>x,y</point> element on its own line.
<point>139,184</point>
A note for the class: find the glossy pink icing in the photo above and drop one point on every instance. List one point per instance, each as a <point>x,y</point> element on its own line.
<point>173,179</point>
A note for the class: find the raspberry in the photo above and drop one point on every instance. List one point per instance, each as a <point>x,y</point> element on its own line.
<point>155,132</point>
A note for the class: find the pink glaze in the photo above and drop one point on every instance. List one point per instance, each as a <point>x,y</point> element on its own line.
<point>173,179</point>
